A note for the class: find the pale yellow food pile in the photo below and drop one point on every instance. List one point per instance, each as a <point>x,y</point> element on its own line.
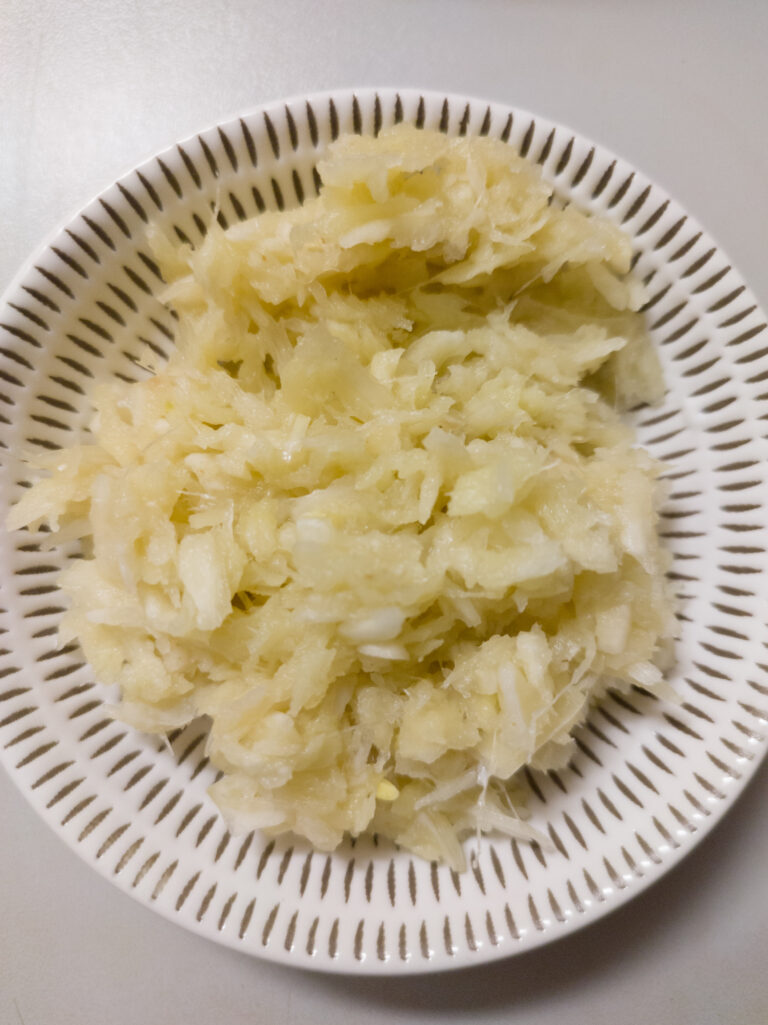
<point>378,517</point>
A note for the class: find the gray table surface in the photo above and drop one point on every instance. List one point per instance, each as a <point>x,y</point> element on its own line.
<point>89,88</point>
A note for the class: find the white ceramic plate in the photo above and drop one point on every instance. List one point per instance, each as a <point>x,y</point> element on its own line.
<point>649,779</point>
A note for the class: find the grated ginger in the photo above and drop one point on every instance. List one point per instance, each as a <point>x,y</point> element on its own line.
<point>378,517</point>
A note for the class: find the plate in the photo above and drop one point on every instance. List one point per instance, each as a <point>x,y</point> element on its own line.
<point>649,778</point>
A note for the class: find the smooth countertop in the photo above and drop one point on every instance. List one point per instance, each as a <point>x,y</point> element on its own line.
<point>87,89</point>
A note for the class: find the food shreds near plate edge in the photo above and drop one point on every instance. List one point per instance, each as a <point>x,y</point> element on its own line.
<point>643,787</point>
